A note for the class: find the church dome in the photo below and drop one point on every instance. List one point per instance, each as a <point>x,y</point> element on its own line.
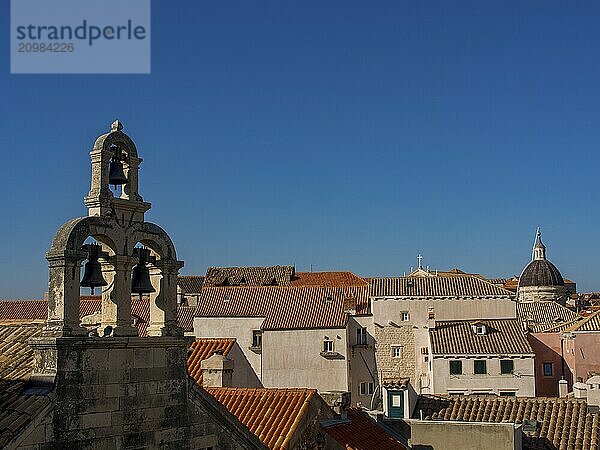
<point>540,271</point>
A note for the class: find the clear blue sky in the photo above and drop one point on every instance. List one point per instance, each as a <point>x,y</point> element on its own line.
<point>344,134</point>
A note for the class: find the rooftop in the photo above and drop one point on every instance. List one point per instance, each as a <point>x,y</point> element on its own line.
<point>361,432</point>
<point>560,423</point>
<point>502,337</point>
<point>327,279</point>
<point>543,315</point>
<point>191,284</point>
<point>271,414</point>
<point>456,286</point>
<point>249,276</point>
<point>284,307</point>
<point>588,323</point>
<point>17,407</point>
<point>202,349</point>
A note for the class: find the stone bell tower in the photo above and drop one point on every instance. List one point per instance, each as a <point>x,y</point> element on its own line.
<point>115,389</point>
<point>118,224</point>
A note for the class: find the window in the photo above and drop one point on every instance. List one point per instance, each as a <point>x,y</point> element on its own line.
<point>396,351</point>
<point>507,366</point>
<point>328,346</point>
<point>455,367</point>
<point>366,388</point>
<point>507,393</point>
<point>478,328</point>
<point>405,316</point>
<point>548,369</point>
<point>480,367</point>
<point>256,338</point>
<point>361,336</point>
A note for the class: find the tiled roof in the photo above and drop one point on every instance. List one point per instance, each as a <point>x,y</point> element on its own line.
<point>17,408</point>
<point>327,279</point>
<point>185,317</point>
<point>562,423</point>
<point>283,307</point>
<point>249,276</point>
<point>360,432</point>
<point>543,315</point>
<point>502,337</point>
<point>191,284</point>
<point>459,286</point>
<point>203,348</point>
<point>587,323</point>
<point>271,414</point>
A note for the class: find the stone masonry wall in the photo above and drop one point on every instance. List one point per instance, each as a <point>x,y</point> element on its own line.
<point>389,366</point>
<point>122,392</point>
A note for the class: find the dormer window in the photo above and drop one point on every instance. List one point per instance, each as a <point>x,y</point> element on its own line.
<point>329,299</point>
<point>227,298</point>
<point>479,328</point>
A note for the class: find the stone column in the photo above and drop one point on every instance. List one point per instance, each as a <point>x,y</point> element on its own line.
<point>100,195</point>
<point>63,293</point>
<point>116,300</point>
<point>163,302</point>
<point>130,190</point>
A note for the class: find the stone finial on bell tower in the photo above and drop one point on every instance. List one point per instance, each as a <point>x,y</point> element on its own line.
<point>118,148</point>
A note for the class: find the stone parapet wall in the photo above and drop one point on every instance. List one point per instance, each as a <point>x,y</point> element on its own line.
<point>122,392</point>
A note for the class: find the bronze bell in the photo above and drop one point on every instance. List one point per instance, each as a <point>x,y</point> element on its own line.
<point>140,279</point>
<point>92,273</point>
<point>116,176</point>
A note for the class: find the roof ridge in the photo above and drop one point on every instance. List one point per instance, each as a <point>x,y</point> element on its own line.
<point>578,323</point>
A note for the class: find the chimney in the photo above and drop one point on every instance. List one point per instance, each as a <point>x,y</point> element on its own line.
<point>430,318</point>
<point>563,388</point>
<point>217,371</point>
<point>593,392</point>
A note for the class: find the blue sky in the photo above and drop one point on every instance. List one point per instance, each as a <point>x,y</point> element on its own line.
<point>349,135</point>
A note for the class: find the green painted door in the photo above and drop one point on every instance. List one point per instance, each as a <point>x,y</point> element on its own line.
<point>396,404</point>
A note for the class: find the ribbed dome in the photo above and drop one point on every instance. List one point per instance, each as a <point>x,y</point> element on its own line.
<point>541,272</point>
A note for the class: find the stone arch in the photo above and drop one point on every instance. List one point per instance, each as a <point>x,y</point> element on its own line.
<point>64,262</point>
<point>163,276</point>
<point>116,136</point>
<point>155,238</point>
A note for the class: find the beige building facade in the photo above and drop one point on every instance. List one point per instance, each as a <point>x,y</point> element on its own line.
<point>403,308</point>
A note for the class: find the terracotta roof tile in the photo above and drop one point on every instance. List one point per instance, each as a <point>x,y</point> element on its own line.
<point>502,337</point>
<point>561,423</point>
<point>360,432</point>
<point>327,279</point>
<point>191,284</point>
<point>185,317</point>
<point>17,407</point>
<point>249,276</point>
<point>271,414</point>
<point>458,286</point>
<point>283,307</point>
<point>203,348</point>
<point>543,315</point>
<point>587,323</point>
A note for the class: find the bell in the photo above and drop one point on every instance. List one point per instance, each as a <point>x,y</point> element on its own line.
<point>116,176</point>
<point>140,279</point>
<point>92,273</point>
